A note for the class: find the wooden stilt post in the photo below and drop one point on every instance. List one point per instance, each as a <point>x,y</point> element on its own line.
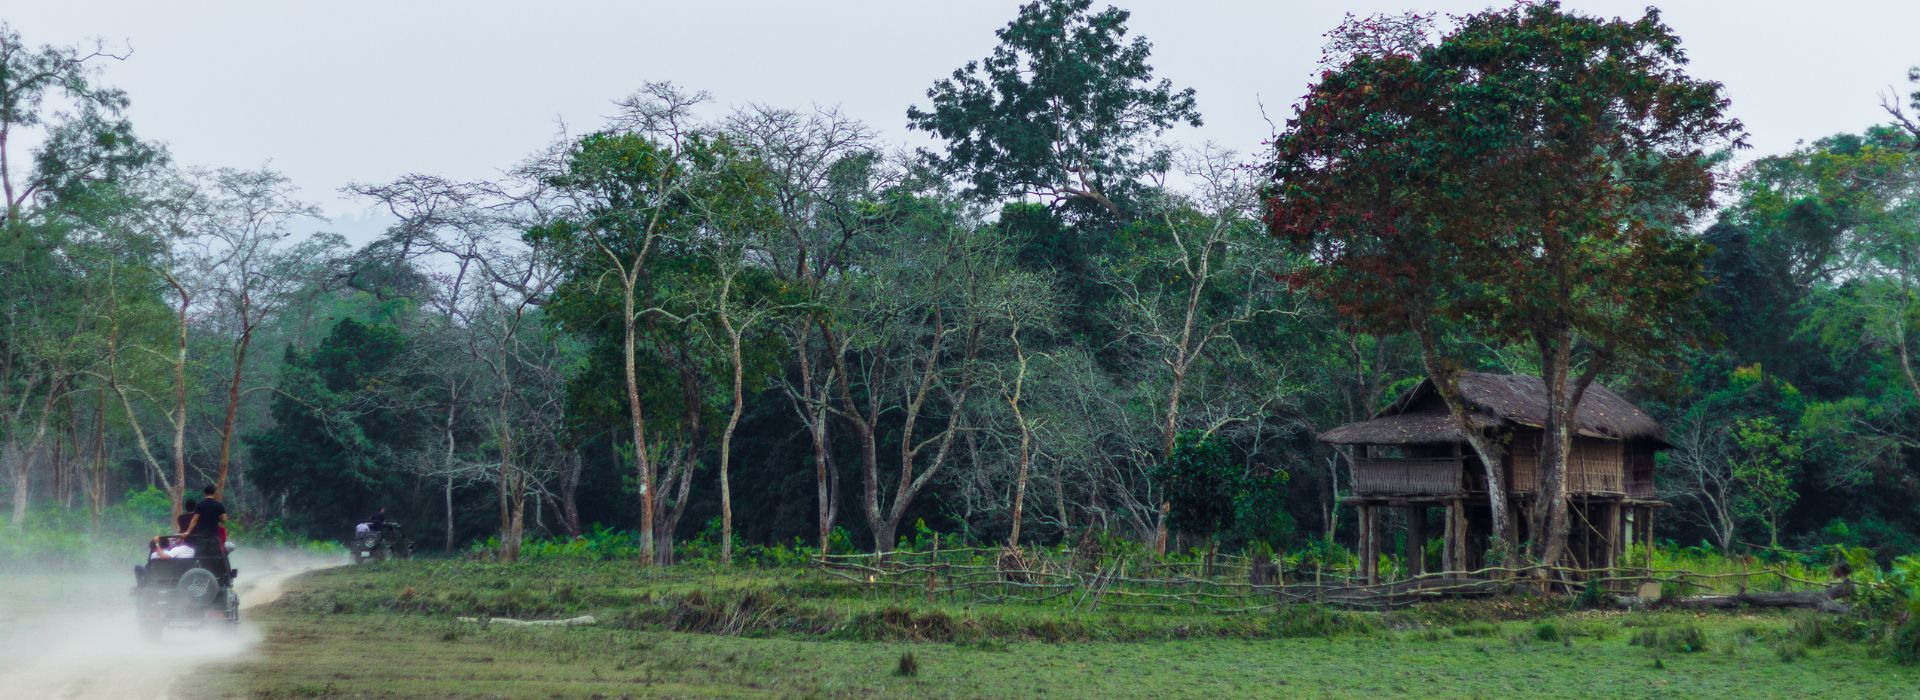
<point>1648,513</point>
<point>1613,535</point>
<point>1360,545</point>
<point>1414,549</point>
<point>1463,550</point>
<point>1372,553</point>
<point>1449,555</point>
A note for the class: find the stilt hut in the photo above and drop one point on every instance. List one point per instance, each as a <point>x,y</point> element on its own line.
<point>1412,457</point>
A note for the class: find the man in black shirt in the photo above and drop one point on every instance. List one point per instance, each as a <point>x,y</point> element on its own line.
<point>203,531</point>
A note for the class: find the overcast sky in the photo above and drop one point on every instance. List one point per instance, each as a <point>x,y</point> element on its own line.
<point>343,91</point>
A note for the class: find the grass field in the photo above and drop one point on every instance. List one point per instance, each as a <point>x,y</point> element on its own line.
<point>388,631</point>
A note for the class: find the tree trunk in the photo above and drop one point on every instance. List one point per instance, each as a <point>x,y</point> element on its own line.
<point>16,464</point>
<point>1166,446</point>
<point>1551,519</point>
<point>97,494</point>
<point>1020,483</point>
<point>516,525</point>
<point>726,438</point>
<point>569,493</point>
<point>23,459</point>
<point>512,480</point>
<point>233,397</point>
<point>179,413</point>
<point>884,537</point>
<point>812,408</point>
<point>1026,437</point>
<point>629,370</point>
<point>1828,600</point>
<point>1060,503</point>
<point>1445,378</point>
<point>677,481</point>
<point>682,479</point>
<point>448,496</point>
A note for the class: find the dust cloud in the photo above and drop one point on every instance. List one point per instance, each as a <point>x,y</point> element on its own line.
<point>74,635</point>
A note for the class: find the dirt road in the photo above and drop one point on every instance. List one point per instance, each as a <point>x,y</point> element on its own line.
<point>76,638</point>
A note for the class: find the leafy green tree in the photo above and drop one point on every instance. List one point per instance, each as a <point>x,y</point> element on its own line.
<point>1815,275</point>
<point>1202,484</point>
<point>90,142</point>
<point>1701,471</point>
<point>56,201</point>
<point>1358,178</point>
<point>338,430</point>
<point>627,202</point>
<point>1064,108</point>
<point>1260,511</point>
<point>1766,469</point>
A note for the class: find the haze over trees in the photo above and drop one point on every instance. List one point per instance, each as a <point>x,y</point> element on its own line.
<point>715,328</point>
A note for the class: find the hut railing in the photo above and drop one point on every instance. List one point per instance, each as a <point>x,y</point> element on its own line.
<point>1421,475</point>
<point>1587,472</point>
<point>1589,477</point>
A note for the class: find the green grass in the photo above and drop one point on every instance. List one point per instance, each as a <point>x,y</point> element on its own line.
<point>388,631</point>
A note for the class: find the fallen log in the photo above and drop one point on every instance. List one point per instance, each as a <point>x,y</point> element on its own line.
<point>1828,600</point>
<point>569,622</point>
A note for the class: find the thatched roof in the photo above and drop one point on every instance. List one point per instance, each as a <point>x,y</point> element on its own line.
<point>1494,401</point>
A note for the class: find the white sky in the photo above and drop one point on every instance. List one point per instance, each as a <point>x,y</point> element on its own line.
<point>347,90</point>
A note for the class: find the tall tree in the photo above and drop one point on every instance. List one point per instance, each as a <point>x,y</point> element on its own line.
<point>742,296</point>
<point>619,195</point>
<point>1765,468</point>
<point>1530,175</point>
<point>85,149</point>
<point>250,226</point>
<point>92,142</point>
<point>1189,291</point>
<point>1589,158</point>
<point>823,168</point>
<point>1064,108</point>
<point>912,343</point>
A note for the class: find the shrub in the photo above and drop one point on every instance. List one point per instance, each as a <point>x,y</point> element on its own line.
<point>1684,640</point>
<point>1811,631</point>
<point>1321,553</point>
<point>1318,621</point>
<point>1476,629</point>
<point>1593,595</point>
<point>1906,641</point>
<point>1790,651</point>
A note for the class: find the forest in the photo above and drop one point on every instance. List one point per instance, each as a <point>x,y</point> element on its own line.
<point>712,333</point>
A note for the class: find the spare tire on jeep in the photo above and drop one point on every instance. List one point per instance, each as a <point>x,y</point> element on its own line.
<point>200,586</point>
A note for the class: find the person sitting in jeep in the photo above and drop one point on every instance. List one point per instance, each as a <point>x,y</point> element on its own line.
<point>162,549</point>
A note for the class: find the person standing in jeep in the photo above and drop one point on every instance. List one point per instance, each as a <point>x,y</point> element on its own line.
<point>203,530</point>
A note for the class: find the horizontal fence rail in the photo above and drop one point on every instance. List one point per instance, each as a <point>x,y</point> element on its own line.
<point>1236,584</point>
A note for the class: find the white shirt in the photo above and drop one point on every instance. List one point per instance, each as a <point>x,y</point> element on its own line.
<point>179,551</point>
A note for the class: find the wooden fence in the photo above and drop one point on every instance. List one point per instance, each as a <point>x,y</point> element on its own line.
<point>1238,584</point>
